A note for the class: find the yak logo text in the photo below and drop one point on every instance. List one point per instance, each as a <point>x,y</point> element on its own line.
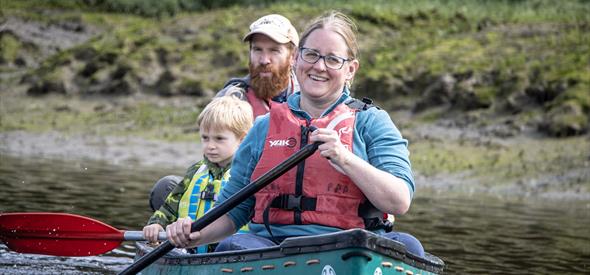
<point>290,142</point>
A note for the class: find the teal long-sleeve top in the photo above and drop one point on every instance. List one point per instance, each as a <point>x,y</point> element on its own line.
<point>376,140</point>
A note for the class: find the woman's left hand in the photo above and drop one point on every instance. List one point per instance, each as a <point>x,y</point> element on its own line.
<point>387,192</point>
<point>332,148</point>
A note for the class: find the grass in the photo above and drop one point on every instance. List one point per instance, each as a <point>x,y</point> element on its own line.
<point>507,46</point>
<point>486,158</point>
<point>170,120</point>
<point>409,41</point>
<point>505,10</point>
<point>531,164</point>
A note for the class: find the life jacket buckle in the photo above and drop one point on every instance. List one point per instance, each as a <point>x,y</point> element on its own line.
<point>292,202</point>
<point>209,193</point>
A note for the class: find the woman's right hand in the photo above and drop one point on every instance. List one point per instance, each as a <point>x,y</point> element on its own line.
<point>179,234</point>
<point>150,232</point>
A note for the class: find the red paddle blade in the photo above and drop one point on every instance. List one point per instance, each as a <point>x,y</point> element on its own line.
<point>57,234</point>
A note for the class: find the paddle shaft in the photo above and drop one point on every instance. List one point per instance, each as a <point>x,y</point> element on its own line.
<point>40,234</point>
<point>138,236</point>
<point>227,205</point>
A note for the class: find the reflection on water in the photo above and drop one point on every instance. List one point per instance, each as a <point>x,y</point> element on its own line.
<point>25,264</point>
<point>483,236</point>
<point>114,195</point>
<point>472,235</point>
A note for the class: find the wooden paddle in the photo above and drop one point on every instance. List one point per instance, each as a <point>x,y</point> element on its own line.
<point>221,209</point>
<point>61,234</point>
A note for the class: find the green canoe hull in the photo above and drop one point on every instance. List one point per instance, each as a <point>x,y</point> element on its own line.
<point>353,251</point>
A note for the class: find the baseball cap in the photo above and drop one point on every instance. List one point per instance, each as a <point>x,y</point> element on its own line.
<point>275,26</point>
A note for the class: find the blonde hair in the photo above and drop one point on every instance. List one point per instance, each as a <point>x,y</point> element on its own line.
<point>340,24</point>
<point>227,112</point>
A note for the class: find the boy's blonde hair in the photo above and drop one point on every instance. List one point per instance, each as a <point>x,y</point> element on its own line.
<point>227,112</point>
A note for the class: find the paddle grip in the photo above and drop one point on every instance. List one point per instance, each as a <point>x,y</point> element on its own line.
<point>227,205</point>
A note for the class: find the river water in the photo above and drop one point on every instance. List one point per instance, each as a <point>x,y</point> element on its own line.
<point>473,235</point>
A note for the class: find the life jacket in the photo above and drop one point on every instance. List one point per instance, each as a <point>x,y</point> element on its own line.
<point>259,106</point>
<point>313,192</point>
<point>200,197</point>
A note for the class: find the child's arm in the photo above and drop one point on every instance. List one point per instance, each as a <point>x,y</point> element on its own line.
<point>168,212</point>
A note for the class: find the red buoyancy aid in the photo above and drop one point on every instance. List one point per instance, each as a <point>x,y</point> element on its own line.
<point>337,198</point>
<point>259,106</point>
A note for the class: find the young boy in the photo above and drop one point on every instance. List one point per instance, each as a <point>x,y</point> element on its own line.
<point>223,124</point>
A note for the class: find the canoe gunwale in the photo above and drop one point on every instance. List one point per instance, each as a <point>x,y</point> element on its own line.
<point>360,238</point>
<point>353,238</point>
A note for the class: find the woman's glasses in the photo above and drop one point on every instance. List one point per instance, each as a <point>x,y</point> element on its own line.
<point>331,61</point>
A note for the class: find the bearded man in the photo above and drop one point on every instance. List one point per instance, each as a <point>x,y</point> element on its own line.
<point>273,43</point>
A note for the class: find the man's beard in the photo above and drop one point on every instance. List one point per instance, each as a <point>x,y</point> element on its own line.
<point>267,88</point>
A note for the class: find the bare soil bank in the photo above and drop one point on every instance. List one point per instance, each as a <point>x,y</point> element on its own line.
<point>569,182</point>
<point>114,150</point>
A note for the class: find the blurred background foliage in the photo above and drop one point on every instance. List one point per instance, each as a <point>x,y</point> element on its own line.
<point>503,66</point>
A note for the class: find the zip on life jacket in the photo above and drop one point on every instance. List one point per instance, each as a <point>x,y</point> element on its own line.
<point>320,195</point>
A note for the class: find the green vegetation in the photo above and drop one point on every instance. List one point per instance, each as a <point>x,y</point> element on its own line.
<point>147,118</point>
<point>10,47</point>
<point>532,165</point>
<point>147,8</point>
<point>147,67</point>
<point>484,59</point>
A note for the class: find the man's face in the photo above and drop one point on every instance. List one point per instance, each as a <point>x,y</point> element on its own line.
<point>270,66</point>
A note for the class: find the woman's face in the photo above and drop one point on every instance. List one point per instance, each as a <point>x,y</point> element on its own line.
<point>316,80</point>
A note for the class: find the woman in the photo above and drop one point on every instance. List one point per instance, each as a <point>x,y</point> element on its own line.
<point>360,171</point>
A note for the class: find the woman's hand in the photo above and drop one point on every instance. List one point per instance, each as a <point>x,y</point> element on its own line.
<point>332,148</point>
<point>150,232</point>
<point>387,192</point>
<point>179,234</point>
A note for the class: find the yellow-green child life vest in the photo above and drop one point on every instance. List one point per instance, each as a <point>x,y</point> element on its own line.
<point>200,197</point>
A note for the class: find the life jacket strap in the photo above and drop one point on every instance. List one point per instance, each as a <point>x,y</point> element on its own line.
<point>361,104</point>
<point>293,202</point>
<point>287,202</point>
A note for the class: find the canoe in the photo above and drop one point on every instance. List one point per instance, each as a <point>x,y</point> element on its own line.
<point>354,251</point>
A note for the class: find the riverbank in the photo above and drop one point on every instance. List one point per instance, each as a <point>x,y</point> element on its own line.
<point>492,95</point>
<point>471,161</point>
<point>446,157</point>
<point>113,150</point>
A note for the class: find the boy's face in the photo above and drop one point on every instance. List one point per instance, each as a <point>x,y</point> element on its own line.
<point>219,146</point>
